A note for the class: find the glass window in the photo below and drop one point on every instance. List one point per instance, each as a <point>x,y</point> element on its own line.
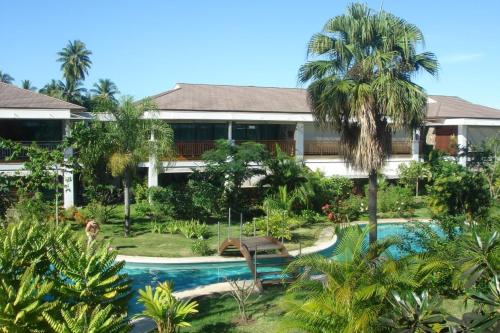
<point>31,130</point>
<point>199,131</point>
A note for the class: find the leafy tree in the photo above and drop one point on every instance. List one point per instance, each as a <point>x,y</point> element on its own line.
<point>128,140</point>
<point>105,89</point>
<point>164,309</point>
<point>360,77</point>
<point>84,319</point>
<point>6,78</point>
<point>413,173</point>
<point>75,61</point>
<point>485,158</point>
<point>281,204</point>
<point>88,275</point>
<point>27,84</point>
<point>413,313</point>
<point>22,306</point>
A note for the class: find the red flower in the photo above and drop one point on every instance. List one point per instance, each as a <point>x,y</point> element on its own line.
<point>325,207</point>
<point>330,216</point>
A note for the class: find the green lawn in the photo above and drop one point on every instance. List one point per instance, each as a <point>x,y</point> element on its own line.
<point>144,243</point>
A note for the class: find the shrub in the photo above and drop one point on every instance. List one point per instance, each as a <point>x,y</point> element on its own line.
<point>200,248</point>
<point>311,217</point>
<point>154,202</point>
<point>276,226</point>
<point>99,212</point>
<point>80,218</point>
<point>194,229</point>
<point>33,208</point>
<point>171,227</point>
<point>396,200</point>
<point>346,210</point>
<point>327,189</point>
<point>69,213</point>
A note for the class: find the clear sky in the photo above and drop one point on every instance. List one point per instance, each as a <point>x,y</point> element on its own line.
<point>145,47</point>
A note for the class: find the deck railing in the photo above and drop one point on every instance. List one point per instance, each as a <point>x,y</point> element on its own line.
<point>7,152</point>
<point>332,148</point>
<point>286,146</point>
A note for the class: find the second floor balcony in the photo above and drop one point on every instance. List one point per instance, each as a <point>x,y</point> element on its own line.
<point>6,153</point>
<point>332,147</point>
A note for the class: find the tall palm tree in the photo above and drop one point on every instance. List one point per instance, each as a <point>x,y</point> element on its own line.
<point>106,89</point>
<point>72,91</point>
<point>27,84</point>
<point>75,61</point>
<point>128,135</point>
<point>54,88</point>
<point>6,78</point>
<point>360,84</point>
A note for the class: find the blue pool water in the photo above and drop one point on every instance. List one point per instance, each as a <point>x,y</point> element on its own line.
<point>188,276</point>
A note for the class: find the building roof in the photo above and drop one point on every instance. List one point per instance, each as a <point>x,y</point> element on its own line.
<point>208,97</point>
<point>445,107</point>
<point>15,97</point>
<point>211,97</point>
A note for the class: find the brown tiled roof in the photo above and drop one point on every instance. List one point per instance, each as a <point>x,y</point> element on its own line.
<point>208,97</point>
<point>442,107</point>
<point>15,97</point>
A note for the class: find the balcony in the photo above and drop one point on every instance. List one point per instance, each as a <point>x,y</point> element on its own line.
<point>7,152</point>
<point>332,148</point>
<point>193,150</point>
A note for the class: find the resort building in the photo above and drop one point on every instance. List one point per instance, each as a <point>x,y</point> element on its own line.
<point>202,113</point>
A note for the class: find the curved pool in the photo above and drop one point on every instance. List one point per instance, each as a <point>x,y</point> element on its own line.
<point>188,276</point>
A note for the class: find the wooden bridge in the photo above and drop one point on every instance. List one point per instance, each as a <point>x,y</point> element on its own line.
<point>266,257</point>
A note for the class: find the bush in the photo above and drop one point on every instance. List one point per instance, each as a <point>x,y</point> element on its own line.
<point>69,213</point>
<point>397,200</point>
<point>200,248</point>
<point>311,217</point>
<point>80,218</point>
<point>328,189</point>
<point>99,212</point>
<point>194,229</point>
<point>346,210</point>
<point>276,226</point>
<point>154,202</point>
<point>33,208</point>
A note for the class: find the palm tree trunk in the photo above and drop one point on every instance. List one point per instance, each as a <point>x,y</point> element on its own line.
<point>372,205</point>
<point>126,201</point>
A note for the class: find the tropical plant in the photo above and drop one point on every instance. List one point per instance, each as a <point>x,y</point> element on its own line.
<point>164,309</point>
<point>126,136</point>
<point>281,204</point>
<point>360,77</point>
<point>283,170</point>
<point>413,173</point>
<point>22,306</point>
<point>75,61</point>
<point>193,229</point>
<point>487,317</point>
<point>54,88</point>
<point>412,313</point>
<point>27,84</point>
<point>84,319</point>
<point>89,275</point>
<point>105,89</point>
<point>6,78</point>
<point>354,290</point>
<point>200,248</point>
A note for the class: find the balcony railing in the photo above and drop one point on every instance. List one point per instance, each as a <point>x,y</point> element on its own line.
<point>192,150</point>
<point>332,148</point>
<point>7,152</point>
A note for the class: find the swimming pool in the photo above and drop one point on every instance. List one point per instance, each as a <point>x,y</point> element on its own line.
<point>188,276</point>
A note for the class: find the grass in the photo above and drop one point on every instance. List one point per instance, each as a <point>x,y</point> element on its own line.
<point>421,211</point>
<point>144,243</point>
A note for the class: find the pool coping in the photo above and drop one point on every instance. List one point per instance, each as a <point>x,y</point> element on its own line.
<point>326,239</point>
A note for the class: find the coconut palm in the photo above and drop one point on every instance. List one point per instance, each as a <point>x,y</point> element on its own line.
<point>129,146</point>
<point>360,84</point>
<point>75,61</point>
<point>82,319</point>
<point>164,309</point>
<point>6,78</point>
<point>354,286</point>
<point>54,88</point>
<point>72,91</point>
<point>27,84</point>
<point>105,89</point>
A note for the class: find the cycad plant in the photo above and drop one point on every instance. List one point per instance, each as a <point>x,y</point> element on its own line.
<point>164,309</point>
<point>352,289</point>
<point>84,319</point>
<point>89,275</point>
<point>22,306</point>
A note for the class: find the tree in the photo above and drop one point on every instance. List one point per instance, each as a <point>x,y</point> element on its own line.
<point>27,84</point>
<point>73,92</point>
<point>6,78</point>
<point>128,139</point>
<point>75,61</point>
<point>82,319</point>
<point>412,173</point>
<point>164,309</point>
<point>360,85</point>
<point>105,89</point>
<point>54,89</point>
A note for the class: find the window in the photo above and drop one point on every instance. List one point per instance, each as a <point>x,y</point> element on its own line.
<point>199,131</point>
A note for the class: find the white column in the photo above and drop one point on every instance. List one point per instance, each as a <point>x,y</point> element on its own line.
<point>462,144</point>
<point>152,167</point>
<point>415,145</point>
<point>68,181</point>
<point>230,131</point>
<point>298,136</point>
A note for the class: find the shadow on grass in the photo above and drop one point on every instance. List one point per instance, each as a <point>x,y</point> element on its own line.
<point>217,328</point>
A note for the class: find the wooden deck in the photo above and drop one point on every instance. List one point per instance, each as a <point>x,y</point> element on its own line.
<point>266,258</point>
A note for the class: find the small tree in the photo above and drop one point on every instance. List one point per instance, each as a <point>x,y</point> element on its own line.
<point>412,173</point>
<point>241,291</point>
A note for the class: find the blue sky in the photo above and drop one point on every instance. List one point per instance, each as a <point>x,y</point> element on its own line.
<point>145,47</point>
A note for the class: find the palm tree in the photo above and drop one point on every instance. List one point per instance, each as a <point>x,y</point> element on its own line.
<point>105,89</point>
<point>354,286</point>
<point>360,85</point>
<point>81,319</point>
<point>54,88</point>
<point>73,92</point>
<point>6,78</point>
<point>128,135</point>
<point>26,84</point>
<point>164,309</point>
<point>75,61</point>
